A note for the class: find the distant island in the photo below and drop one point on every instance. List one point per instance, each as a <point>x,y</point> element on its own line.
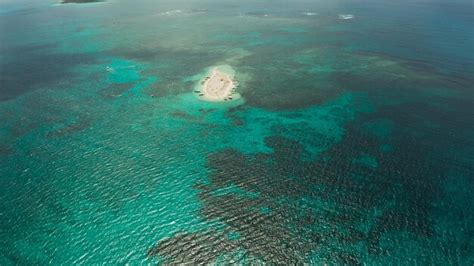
<point>81,1</point>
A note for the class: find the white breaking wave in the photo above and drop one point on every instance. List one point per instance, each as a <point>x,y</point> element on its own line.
<point>346,16</point>
<point>170,13</point>
<point>173,12</point>
<point>182,12</point>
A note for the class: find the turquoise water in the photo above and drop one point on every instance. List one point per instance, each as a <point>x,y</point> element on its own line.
<point>352,143</point>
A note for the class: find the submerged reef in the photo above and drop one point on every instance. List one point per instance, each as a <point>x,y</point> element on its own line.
<point>288,220</point>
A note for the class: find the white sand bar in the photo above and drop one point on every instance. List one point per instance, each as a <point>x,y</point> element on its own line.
<point>218,85</point>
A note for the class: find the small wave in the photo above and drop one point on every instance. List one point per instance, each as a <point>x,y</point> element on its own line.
<point>173,12</point>
<point>114,70</point>
<point>254,14</point>
<point>346,16</point>
<point>310,14</point>
<point>184,12</point>
<point>198,11</point>
<point>170,12</point>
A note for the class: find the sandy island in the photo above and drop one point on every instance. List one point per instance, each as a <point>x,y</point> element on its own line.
<point>218,85</point>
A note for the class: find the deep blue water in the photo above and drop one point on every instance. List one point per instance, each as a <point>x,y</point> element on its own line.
<point>353,143</point>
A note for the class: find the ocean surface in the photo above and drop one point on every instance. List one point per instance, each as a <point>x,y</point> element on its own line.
<point>353,142</point>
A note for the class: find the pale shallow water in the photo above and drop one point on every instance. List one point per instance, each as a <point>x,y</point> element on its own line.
<point>353,143</point>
